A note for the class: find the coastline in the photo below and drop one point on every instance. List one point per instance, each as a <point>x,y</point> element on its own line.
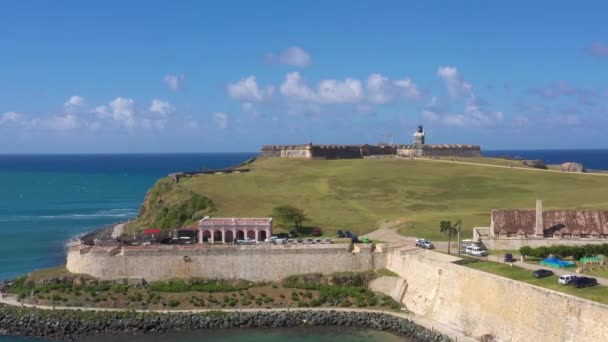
<point>74,323</point>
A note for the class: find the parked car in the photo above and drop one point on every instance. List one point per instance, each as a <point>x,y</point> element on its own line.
<point>348,234</point>
<point>566,279</point>
<point>365,239</point>
<point>316,232</point>
<point>509,257</point>
<point>580,282</point>
<point>423,243</point>
<point>275,240</point>
<point>477,251</point>
<point>283,236</point>
<point>340,233</point>
<point>542,273</point>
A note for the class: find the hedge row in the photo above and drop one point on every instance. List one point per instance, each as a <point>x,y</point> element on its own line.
<point>565,251</point>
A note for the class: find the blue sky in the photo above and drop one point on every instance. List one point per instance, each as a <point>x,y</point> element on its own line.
<point>190,76</point>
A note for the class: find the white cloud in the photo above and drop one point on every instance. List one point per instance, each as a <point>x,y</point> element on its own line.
<point>8,117</point>
<point>247,89</point>
<point>74,102</point>
<point>121,110</point>
<point>161,107</point>
<point>328,91</point>
<point>294,56</point>
<point>221,119</point>
<point>335,91</point>
<point>379,89</point>
<point>294,88</point>
<point>453,81</point>
<point>174,82</point>
<point>64,122</point>
<point>382,90</point>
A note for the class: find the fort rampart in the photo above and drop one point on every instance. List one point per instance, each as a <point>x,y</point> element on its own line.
<point>256,263</point>
<point>479,303</point>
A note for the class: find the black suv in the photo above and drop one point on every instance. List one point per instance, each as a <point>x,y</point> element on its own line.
<point>509,257</point>
<point>542,273</point>
<point>579,282</point>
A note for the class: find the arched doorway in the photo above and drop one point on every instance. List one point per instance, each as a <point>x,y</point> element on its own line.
<point>240,235</point>
<point>262,235</point>
<point>251,234</point>
<point>229,236</point>
<point>217,236</point>
<point>206,236</point>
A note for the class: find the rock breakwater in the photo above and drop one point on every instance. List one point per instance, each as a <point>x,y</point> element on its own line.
<point>72,324</point>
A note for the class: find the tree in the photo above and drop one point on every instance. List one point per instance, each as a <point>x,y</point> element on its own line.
<point>287,214</point>
<point>447,228</point>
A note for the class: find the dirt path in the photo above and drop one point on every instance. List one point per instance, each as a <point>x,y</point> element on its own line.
<point>429,324</point>
<point>513,167</point>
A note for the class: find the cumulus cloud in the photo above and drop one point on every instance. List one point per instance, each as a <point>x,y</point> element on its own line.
<point>64,122</point>
<point>598,49</point>
<point>74,102</point>
<point>454,82</point>
<point>294,56</point>
<point>174,82</point>
<point>221,120</point>
<point>161,107</point>
<point>382,90</point>
<point>296,89</point>
<point>10,117</point>
<point>247,89</point>
<point>328,91</point>
<point>121,110</point>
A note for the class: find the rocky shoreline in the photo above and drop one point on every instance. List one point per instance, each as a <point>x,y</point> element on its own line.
<point>73,324</point>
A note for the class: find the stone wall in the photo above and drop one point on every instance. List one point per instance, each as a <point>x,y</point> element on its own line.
<point>286,151</point>
<point>479,303</point>
<point>256,263</point>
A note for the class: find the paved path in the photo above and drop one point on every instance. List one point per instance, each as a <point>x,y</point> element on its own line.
<point>513,167</point>
<point>429,324</point>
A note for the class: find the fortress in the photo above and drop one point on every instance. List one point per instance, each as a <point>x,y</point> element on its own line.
<point>417,149</point>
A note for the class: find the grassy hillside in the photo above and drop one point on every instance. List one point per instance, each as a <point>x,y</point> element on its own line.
<point>362,195</point>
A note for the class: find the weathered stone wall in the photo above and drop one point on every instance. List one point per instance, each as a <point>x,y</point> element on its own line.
<point>479,303</point>
<point>451,151</point>
<point>256,263</point>
<point>286,151</point>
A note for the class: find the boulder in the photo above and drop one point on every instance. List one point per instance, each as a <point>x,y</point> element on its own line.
<point>572,167</point>
<point>537,163</point>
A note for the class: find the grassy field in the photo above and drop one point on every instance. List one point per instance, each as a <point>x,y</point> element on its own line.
<point>413,195</point>
<point>596,293</point>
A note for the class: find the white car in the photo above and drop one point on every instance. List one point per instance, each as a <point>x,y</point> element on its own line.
<point>566,279</point>
<point>423,243</point>
<point>476,251</point>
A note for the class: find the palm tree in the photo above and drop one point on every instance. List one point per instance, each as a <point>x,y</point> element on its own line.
<point>446,227</point>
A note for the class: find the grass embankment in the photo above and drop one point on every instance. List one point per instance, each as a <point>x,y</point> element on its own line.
<point>597,293</point>
<point>344,289</point>
<point>361,195</point>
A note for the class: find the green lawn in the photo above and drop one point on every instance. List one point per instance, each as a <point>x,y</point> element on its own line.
<point>596,293</point>
<point>413,195</point>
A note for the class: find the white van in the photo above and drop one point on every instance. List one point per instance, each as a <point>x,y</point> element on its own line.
<point>566,279</point>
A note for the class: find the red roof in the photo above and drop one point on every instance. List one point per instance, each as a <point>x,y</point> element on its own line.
<point>152,231</point>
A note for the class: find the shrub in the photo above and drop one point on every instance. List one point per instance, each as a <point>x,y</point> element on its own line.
<point>173,303</point>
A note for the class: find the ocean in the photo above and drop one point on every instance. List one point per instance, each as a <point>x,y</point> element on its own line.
<point>45,200</point>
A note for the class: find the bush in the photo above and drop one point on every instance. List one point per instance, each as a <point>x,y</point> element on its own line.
<point>565,251</point>
<point>173,303</point>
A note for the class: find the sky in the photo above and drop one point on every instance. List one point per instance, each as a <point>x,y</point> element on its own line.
<point>231,76</point>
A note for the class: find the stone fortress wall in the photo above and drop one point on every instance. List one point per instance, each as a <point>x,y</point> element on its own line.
<point>478,303</point>
<point>418,149</point>
<point>256,263</point>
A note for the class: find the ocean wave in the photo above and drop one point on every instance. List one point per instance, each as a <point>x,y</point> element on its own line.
<point>110,213</point>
